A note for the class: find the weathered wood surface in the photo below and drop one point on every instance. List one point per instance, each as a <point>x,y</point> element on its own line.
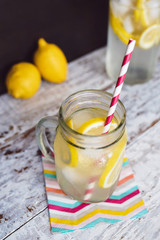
<point>23,205</point>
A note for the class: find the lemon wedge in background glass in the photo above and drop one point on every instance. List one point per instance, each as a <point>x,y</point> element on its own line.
<point>140,13</point>
<point>23,80</point>
<point>150,37</point>
<point>120,31</point>
<point>147,12</point>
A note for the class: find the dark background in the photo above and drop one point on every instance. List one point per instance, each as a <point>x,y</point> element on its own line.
<point>76,26</point>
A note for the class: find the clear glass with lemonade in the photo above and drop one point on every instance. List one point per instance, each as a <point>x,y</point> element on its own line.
<point>83,154</point>
<point>139,20</point>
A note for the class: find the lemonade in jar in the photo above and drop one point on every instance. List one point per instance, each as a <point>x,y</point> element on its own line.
<point>139,20</point>
<point>88,162</point>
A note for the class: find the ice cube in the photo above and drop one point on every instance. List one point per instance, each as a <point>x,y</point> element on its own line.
<point>154,15</point>
<point>152,4</point>
<point>73,176</point>
<point>120,8</point>
<point>127,2</point>
<point>92,161</point>
<point>128,24</point>
<point>152,12</point>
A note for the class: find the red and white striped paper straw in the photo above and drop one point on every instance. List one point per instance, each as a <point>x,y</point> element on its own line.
<point>89,189</point>
<point>119,84</point>
<point>117,91</point>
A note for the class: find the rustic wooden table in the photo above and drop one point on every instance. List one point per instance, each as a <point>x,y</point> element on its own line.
<point>23,205</point>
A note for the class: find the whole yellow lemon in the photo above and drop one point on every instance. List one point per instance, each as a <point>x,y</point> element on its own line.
<point>23,80</point>
<point>51,62</point>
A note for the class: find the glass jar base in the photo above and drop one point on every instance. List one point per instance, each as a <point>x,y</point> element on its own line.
<point>93,198</point>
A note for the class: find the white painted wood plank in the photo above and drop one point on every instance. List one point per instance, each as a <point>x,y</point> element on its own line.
<point>22,191</point>
<point>144,158</point>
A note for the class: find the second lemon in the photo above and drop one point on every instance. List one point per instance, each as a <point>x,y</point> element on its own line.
<point>51,62</point>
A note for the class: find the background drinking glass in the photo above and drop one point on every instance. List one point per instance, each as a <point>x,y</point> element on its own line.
<point>139,20</point>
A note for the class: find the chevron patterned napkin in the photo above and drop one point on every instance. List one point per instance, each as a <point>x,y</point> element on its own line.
<point>67,215</point>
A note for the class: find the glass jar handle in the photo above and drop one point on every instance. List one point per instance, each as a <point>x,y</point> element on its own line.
<point>42,141</point>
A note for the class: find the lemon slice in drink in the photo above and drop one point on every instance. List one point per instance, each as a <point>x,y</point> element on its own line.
<point>70,123</point>
<point>113,166</point>
<point>73,151</point>
<point>95,126</point>
<point>112,169</point>
<point>150,37</point>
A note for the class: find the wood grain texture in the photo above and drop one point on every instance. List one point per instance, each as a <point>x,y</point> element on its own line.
<point>23,205</point>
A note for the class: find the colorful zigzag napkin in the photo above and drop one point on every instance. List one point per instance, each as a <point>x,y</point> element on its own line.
<point>67,215</point>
